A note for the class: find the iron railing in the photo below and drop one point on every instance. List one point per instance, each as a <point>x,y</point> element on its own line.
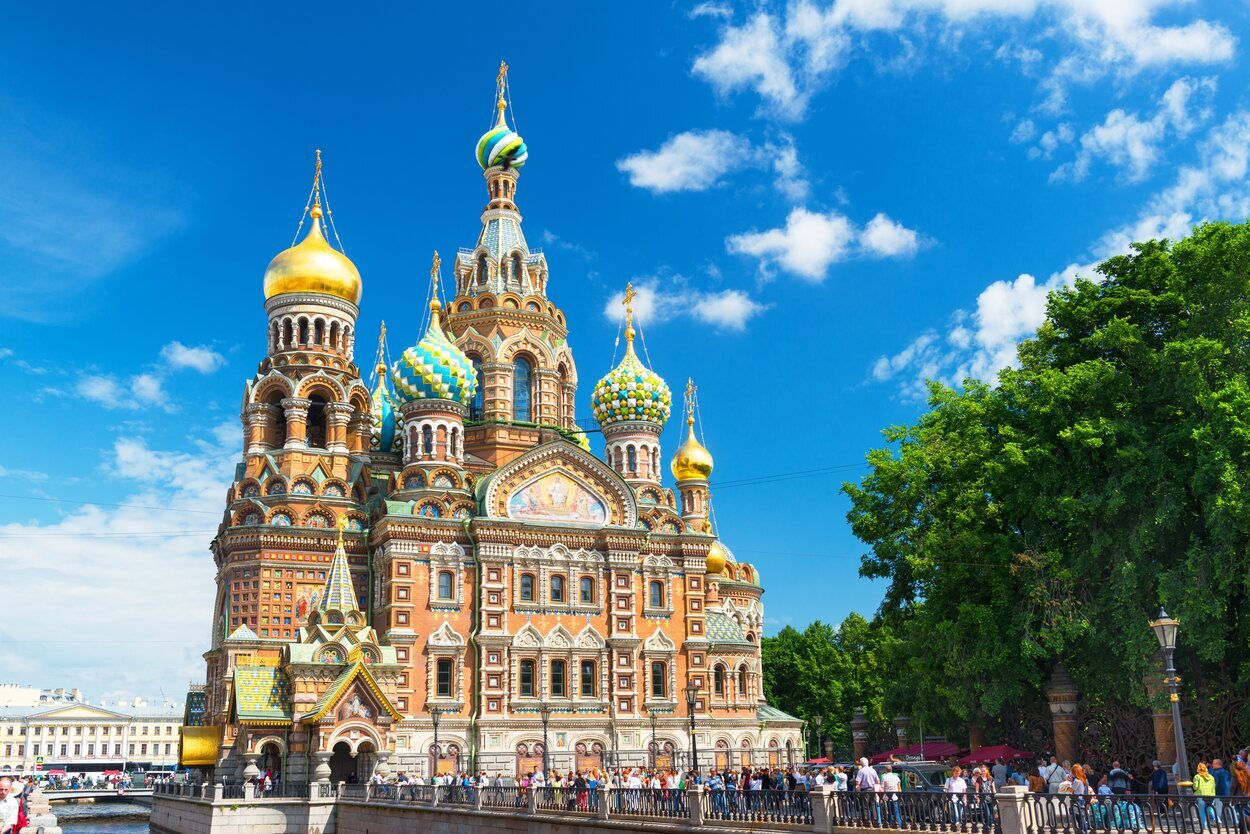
<point>923,810</point>
<point>794,807</point>
<point>503,797</point>
<point>232,792</point>
<point>1088,814</point>
<point>648,802</point>
<point>564,800</point>
<point>456,795</point>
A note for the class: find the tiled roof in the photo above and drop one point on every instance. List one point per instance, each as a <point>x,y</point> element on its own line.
<point>764,712</point>
<point>261,693</point>
<point>721,629</point>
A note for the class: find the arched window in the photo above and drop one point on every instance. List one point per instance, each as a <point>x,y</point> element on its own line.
<point>483,269</point>
<point>427,440</point>
<point>444,584</point>
<point>659,680</point>
<point>303,331</point>
<point>316,431</point>
<point>319,332</point>
<point>443,679</point>
<point>566,411</point>
<point>527,678</point>
<point>631,459</point>
<point>557,589</point>
<point>334,336</point>
<point>587,591</point>
<point>527,587</point>
<point>516,267</point>
<point>455,443</point>
<point>288,335</point>
<point>718,680</point>
<point>655,593</point>
<point>588,679</point>
<point>558,679</point>
<point>742,680</point>
<point>522,390</point>
<point>479,393</point>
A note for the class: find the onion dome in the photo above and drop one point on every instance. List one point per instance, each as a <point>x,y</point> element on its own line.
<point>692,460</point>
<point>313,265</point>
<point>501,145</point>
<point>434,368</point>
<point>716,558</point>
<point>631,391</point>
<point>382,434</point>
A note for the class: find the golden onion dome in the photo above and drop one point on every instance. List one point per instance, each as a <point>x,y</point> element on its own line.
<point>313,265</point>
<point>716,558</point>
<point>692,460</point>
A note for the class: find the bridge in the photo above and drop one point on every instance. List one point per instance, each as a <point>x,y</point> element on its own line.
<point>143,795</point>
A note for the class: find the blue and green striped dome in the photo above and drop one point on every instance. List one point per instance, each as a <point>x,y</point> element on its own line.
<point>382,434</point>
<point>501,146</point>
<point>631,391</point>
<point>434,369</point>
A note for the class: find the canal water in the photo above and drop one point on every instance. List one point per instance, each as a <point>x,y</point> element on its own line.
<point>101,817</point>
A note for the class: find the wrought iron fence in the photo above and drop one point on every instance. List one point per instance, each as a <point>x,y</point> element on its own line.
<point>353,791</point>
<point>456,795</point>
<point>1071,814</point>
<point>794,807</point>
<point>648,802</point>
<point>503,797</point>
<point>924,810</point>
<point>564,800</point>
<point>232,792</point>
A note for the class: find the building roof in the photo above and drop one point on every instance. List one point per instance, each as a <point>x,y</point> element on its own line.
<point>340,685</point>
<point>765,712</point>
<point>721,629</point>
<point>261,694</point>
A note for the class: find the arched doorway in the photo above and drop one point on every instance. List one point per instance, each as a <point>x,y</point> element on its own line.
<point>366,761</point>
<point>342,764</point>
<point>271,761</point>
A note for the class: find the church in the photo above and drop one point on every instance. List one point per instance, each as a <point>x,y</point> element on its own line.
<point>427,570</point>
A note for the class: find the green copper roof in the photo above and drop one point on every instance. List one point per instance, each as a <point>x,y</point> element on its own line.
<point>765,712</point>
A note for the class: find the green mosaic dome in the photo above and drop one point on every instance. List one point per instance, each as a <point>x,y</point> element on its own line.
<point>631,392</point>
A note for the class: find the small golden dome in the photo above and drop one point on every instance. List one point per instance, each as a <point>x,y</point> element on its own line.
<point>692,461</point>
<point>313,265</point>
<point>716,558</point>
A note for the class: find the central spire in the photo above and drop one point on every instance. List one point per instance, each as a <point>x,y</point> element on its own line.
<point>339,594</point>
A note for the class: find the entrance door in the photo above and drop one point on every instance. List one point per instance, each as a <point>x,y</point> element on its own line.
<point>342,765</point>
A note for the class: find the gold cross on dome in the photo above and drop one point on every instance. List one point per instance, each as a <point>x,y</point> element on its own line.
<point>690,389</point>
<point>503,72</point>
<point>434,271</point>
<point>342,525</point>
<point>628,301</point>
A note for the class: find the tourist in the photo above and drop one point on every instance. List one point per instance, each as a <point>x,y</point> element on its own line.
<point>892,786</point>
<point>1054,775</point>
<point>10,807</point>
<point>1037,783</point>
<point>1158,779</point>
<point>1204,789</point>
<point>1241,777</point>
<point>1000,772</point>
<point>1223,785</point>
<point>955,788</point>
<point>1118,780</point>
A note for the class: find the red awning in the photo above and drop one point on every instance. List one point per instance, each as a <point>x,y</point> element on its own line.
<point>821,760</point>
<point>112,773</point>
<point>55,772</point>
<point>933,751</point>
<point>997,751</point>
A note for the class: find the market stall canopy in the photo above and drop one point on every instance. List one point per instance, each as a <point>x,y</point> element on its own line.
<point>932,750</point>
<point>993,753</point>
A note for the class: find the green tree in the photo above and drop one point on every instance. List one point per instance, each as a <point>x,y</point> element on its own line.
<point>1048,517</point>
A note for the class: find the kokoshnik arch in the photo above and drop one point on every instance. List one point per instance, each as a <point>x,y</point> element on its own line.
<point>445,542</point>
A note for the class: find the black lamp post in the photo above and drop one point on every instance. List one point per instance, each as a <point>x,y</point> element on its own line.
<point>544,712</point>
<point>818,720</point>
<point>654,748</point>
<point>434,716</point>
<point>692,700</point>
<point>1165,629</point>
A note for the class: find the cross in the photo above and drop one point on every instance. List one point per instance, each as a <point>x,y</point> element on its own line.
<point>342,525</point>
<point>628,301</point>
<point>690,389</point>
<point>503,73</point>
<point>434,270</point>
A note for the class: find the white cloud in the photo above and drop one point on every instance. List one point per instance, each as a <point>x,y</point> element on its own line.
<point>100,389</point>
<point>811,242</point>
<point>86,563</point>
<point>699,159</point>
<point>717,10</point>
<point>140,391</point>
<point>657,301</point>
<point>1049,142</point>
<point>785,59</point>
<point>1133,144</point>
<point>199,358</point>
<point>1023,132</point>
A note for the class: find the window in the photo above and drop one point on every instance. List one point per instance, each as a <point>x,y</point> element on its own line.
<point>444,584</point>
<point>659,680</point>
<point>631,459</point>
<point>443,683</point>
<point>516,267</point>
<point>656,594</point>
<point>527,587</point>
<point>588,679</point>
<point>742,680</point>
<point>427,440</point>
<point>718,680</point>
<point>557,589</point>
<point>558,679</point>
<point>479,393</point>
<point>527,679</point>
<point>587,591</point>
<point>483,270</point>
<point>522,390</point>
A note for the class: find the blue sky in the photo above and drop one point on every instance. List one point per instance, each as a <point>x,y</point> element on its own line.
<point>823,203</point>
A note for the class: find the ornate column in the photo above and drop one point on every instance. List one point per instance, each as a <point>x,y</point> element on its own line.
<point>859,733</point>
<point>496,379</point>
<point>250,770</point>
<point>296,409</point>
<point>1064,700</point>
<point>321,773</point>
<point>380,767</point>
<point>901,723</point>
<point>358,434</point>
<point>1161,711</point>
<point>257,417</point>
<point>337,417</point>
<point>547,412</point>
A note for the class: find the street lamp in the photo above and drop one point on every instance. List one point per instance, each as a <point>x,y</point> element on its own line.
<point>692,698</point>
<point>544,712</point>
<point>434,716</point>
<point>1165,629</point>
<point>654,748</point>
<point>819,719</point>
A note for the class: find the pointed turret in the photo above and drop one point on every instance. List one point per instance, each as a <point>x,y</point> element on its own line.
<point>339,595</point>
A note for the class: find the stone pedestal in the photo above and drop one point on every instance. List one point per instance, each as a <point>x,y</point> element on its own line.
<point>250,769</point>
<point>901,723</point>
<point>381,766</point>
<point>859,733</point>
<point>39,816</point>
<point>1161,711</point>
<point>1064,700</point>
<point>321,773</point>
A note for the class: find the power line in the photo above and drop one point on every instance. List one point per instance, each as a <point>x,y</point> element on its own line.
<point>785,476</point>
